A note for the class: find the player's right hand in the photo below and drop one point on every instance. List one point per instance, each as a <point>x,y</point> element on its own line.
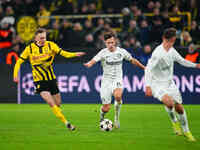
<point>88,65</point>
<point>148,91</point>
<point>15,79</point>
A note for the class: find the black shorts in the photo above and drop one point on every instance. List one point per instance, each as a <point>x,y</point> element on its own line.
<point>50,85</point>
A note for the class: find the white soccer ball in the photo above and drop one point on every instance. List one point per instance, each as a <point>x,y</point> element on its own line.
<point>106,125</point>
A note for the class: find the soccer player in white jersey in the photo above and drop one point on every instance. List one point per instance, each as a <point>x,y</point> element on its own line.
<point>111,59</point>
<point>159,81</point>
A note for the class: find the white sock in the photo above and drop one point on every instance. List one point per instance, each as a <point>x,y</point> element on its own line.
<point>117,109</point>
<point>172,114</point>
<point>102,114</point>
<point>184,122</point>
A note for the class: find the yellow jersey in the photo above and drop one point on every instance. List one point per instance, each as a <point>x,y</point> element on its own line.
<point>41,59</point>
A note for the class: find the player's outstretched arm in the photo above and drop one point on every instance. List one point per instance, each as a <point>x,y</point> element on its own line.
<point>16,69</point>
<point>90,63</point>
<point>67,54</point>
<point>137,63</point>
<point>79,54</point>
<point>178,58</point>
<point>64,53</point>
<point>94,60</point>
<point>23,57</point>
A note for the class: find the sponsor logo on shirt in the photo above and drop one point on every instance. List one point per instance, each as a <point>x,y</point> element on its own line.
<point>114,59</point>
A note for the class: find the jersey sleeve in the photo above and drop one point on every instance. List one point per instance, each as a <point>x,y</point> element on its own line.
<point>147,77</point>
<point>23,57</point>
<point>55,47</point>
<point>127,55</point>
<point>182,61</point>
<point>25,54</point>
<point>61,52</point>
<point>99,56</point>
<point>151,64</point>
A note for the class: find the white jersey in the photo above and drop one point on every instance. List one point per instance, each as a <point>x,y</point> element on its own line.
<point>112,62</point>
<point>160,66</point>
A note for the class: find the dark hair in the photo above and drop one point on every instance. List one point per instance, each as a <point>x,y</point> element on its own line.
<point>40,30</point>
<point>109,35</point>
<point>169,33</point>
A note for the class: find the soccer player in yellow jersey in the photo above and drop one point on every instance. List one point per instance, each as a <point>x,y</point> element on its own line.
<point>41,54</point>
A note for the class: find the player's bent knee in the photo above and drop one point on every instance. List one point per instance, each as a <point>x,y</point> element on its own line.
<point>118,98</point>
<point>106,107</point>
<point>167,100</point>
<point>179,111</point>
<point>105,110</point>
<point>179,108</point>
<point>169,105</point>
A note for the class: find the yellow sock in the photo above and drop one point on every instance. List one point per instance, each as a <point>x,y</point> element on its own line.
<point>57,111</point>
<point>60,109</point>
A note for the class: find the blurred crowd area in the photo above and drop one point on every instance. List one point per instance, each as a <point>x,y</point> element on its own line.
<point>139,29</point>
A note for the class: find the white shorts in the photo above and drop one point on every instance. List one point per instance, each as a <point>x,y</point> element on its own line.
<point>169,88</point>
<point>107,89</point>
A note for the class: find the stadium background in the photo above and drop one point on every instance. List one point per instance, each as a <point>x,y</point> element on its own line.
<point>78,25</point>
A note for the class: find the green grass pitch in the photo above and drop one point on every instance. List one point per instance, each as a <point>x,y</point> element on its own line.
<point>143,127</point>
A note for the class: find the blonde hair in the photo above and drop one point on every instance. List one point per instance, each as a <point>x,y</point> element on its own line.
<point>183,35</point>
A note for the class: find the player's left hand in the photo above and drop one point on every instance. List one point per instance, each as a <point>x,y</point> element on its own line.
<point>15,80</point>
<point>198,66</point>
<point>79,54</point>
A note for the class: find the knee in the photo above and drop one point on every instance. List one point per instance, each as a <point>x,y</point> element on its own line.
<point>179,109</point>
<point>51,103</point>
<point>106,108</point>
<point>168,102</point>
<point>118,97</point>
<point>170,105</point>
<point>58,103</point>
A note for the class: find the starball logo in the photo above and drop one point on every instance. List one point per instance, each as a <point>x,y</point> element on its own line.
<point>27,84</point>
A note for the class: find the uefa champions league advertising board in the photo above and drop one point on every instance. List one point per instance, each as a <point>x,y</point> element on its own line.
<point>78,84</point>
